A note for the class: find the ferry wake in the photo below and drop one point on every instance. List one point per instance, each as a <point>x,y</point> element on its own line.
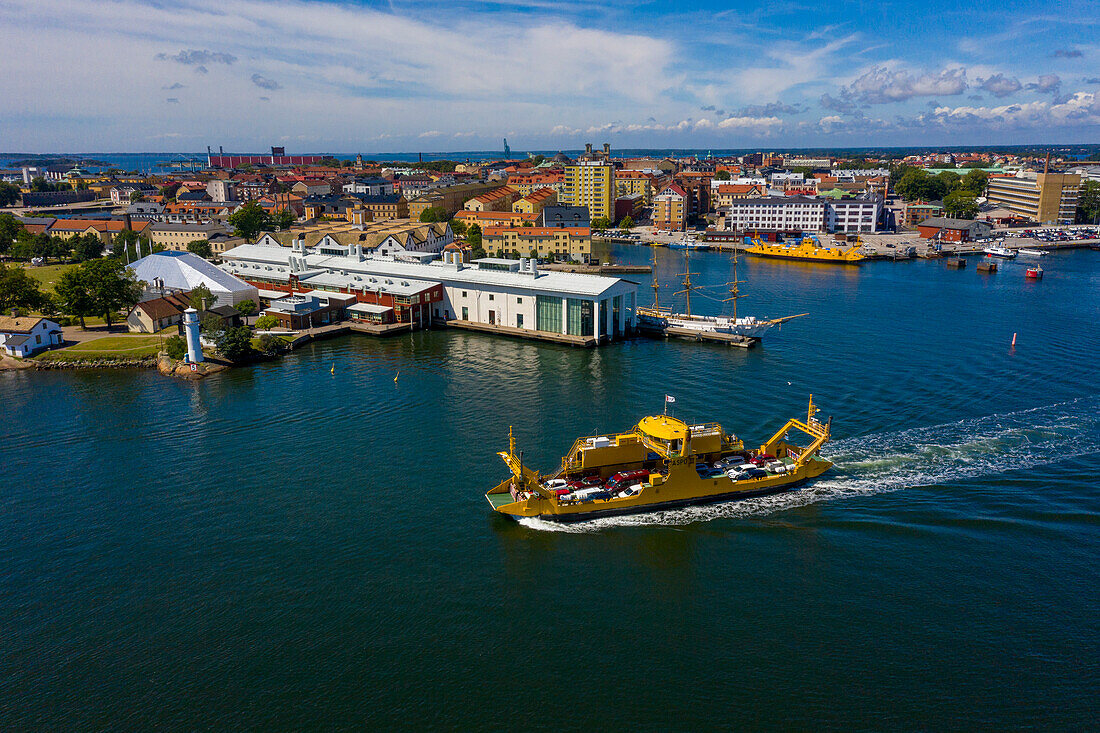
<point>661,463</point>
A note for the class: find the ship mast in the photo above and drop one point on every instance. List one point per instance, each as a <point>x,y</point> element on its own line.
<point>735,292</point>
<point>688,287</point>
<point>656,285</point>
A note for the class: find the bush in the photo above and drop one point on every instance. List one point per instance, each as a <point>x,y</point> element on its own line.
<point>264,323</point>
<point>176,347</point>
<point>272,344</point>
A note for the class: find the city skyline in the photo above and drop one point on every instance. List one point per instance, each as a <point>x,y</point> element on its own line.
<point>132,76</point>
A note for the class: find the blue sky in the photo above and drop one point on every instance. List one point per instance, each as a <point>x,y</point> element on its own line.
<point>324,75</point>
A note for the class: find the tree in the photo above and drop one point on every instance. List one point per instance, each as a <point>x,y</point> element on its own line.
<point>975,181</point>
<point>627,222</point>
<point>247,308</point>
<point>200,247</point>
<point>272,344</point>
<point>1088,203</point>
<point>87,247</point>
<point>41,185</point>
<point>235,343</point>
<point>9,194</point>
<point>249,220</point>
<point>960,204</point>
<point>114,286</point>
<point>433,214</point>
<point>916,184</point>
<point>458,226</point>
<point>211,323</point>
<point>478,252</point>
<point>169,191</point>
<point>266,322</point>
<point>9,230</point>
<point>202,298</point>
<point>600,223</point>
<point>284,219</point>
<point>176,347</point>
<point>473,236</point>
<point>722,176</point>
<point>19,290</point>
<point>74,294</point>
<point>527,224</point>
<point>126,243</point>
<point>136,196</point>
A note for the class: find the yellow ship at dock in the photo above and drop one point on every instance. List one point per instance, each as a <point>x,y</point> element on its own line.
<point>809,249</point>
<point>661,463</point>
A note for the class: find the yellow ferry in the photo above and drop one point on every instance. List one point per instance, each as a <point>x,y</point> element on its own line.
<point>810,249</point>
<point>661,463</point>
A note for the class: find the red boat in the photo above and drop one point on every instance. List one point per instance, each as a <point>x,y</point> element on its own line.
<point>1034,273</point>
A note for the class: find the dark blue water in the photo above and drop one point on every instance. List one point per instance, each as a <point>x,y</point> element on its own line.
<point>283,548</point>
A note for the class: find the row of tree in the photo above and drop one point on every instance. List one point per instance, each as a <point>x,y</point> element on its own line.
<point>99,287</point>
<point>959,193</point>
<point>18,243</point>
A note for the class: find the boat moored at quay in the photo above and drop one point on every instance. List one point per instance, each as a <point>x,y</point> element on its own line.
<point>660,463</point>
<point>808,249</point>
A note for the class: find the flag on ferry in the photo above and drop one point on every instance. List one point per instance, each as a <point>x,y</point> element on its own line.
<point>669,398</point>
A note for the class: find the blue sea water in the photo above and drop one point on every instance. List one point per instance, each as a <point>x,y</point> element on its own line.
<point>284,547</point>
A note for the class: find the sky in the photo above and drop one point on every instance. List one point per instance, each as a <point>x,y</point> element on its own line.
<point>399,76</point>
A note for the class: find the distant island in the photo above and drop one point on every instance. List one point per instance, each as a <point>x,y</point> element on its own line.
<point>49,160</point>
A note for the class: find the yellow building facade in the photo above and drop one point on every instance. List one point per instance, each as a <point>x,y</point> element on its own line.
<point>590,184</point>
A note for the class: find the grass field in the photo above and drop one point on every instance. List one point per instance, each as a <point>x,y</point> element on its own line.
<point>108,347</point>
<point>48,275</point>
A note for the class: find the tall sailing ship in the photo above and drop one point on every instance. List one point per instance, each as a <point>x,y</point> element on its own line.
<point>750,327</point>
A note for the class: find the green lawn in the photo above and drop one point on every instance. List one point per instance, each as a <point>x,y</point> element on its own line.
<point>108,347</point>
<point>48,275</point>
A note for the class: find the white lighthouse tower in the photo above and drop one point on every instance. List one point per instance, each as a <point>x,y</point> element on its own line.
<point>191,326</point>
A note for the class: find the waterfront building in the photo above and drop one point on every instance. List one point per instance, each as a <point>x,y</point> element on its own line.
<point>566,216</point>
<point>1047,198</point>
<point>309,310</point>
<point>670,208</point>
<point>556,243</point>
<point>25,336</point>
<point>954,230</point>
<point>590,184</point>
<point>795,214</point>
<point>512,295</point>
<point>165,273</point>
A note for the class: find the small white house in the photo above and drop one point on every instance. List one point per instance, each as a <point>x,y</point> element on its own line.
<point>25,336</point>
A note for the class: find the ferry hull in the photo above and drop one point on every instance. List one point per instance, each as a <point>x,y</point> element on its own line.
<point>727,497</point>
<point>796,258</point>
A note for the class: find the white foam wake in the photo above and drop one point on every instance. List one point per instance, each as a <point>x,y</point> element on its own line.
<point>883,462</point>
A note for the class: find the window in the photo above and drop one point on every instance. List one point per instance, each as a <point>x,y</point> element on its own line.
<point>490,296</point>
<point>463,295</point>
<point>519,301</point>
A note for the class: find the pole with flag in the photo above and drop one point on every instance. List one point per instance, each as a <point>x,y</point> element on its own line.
<point>668,398</point>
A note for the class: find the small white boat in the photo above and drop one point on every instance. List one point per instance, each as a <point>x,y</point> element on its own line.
<point>1002,252</point>
<point>1034,252</point>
